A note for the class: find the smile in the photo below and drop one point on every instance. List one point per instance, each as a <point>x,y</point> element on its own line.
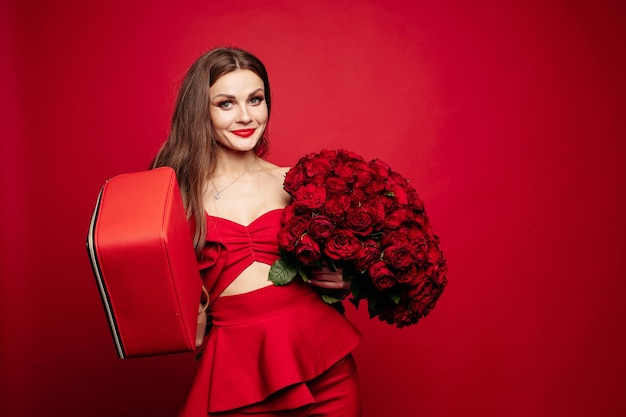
<point>244,133</point>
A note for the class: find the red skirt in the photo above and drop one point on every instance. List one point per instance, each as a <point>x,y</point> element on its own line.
<point>264,346</point>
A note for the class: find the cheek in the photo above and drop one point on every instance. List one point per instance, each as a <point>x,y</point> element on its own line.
<point>220,120</point>
<point>262,114</point>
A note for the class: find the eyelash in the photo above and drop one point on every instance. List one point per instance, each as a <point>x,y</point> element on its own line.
<point>255,101</point>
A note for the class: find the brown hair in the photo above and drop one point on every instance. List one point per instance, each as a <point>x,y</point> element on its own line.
<point>190,146</point>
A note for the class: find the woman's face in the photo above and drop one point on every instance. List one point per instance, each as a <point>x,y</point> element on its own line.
<point>238,109</point>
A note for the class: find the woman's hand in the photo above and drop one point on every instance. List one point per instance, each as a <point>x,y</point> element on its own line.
<point>202,317</point>
<point>201,325</point>
<point>330,279</point>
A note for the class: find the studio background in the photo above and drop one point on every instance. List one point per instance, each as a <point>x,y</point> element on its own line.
<point>507,117</point>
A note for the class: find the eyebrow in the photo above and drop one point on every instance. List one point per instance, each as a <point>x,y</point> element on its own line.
<point>229,96</point>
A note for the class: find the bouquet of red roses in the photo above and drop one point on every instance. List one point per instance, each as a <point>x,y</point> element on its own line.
<point>368,220</point>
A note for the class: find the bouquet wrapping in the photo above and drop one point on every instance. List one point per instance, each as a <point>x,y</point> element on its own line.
<point>368,220</point>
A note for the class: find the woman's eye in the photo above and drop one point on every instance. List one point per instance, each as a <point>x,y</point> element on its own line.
<point>225,104</point>
<point>256,100</point>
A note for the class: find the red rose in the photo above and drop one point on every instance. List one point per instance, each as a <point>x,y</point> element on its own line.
<point>381,276</point>
<point>294,179</point>
<point>308,251</point>
<point>358,196</point>
<point>411,275</point>
<point>367,256</point>
<point>398,256</point>
<point>348,155</point>
<point>380,168</point>
<point>418,249</point>
<point>316,166</point>
<point>321,227</point>
<point>432,254</point>
<point>310,196</point>
<point>399,194</point>
<point>291,231</point>
<point>364,176</point>
<point>336,207</point>
<point>375,186</point>
<point>375,209</point>
<point>394,238</point>
<point>404,316</point>
<point>342,245</point>
<point>422,297</point>
<point>359,221</point>
<point>396,218</point>
<point>336,185</point>
<point>345,172</point>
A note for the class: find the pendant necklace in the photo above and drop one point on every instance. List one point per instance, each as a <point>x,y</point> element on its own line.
<point>218,193</point>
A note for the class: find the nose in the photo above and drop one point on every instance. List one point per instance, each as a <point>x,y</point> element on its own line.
<point>244,115</point>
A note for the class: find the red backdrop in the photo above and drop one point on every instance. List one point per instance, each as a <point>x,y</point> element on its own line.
<point>506,116</point>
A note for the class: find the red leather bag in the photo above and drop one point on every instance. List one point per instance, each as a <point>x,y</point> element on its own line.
<point>144,262</point>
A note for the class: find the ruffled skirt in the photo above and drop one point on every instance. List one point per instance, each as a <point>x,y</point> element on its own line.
<point>264,346</point>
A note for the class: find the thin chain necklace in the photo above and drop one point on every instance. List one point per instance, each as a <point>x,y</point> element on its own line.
<point>218,193</point>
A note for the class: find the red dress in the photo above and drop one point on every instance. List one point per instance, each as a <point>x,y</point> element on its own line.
<point>267,345</point>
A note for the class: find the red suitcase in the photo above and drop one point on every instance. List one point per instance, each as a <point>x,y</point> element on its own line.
<point>143,259</point>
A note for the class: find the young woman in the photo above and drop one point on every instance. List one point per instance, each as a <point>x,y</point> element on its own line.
<point>270,351</point>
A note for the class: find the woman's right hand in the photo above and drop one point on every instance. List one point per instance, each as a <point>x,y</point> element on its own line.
<point>201,325</point>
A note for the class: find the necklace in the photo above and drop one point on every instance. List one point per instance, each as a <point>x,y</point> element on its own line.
<point>218,193</point>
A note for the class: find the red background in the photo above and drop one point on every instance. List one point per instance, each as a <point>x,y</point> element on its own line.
<point>506,115</point>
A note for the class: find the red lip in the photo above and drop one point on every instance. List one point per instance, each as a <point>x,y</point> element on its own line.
<point>244,133</point>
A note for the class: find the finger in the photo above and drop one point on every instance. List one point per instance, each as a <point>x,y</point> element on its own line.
<point>336,285</point>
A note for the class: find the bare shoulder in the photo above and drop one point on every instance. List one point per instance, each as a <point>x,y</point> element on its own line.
<point>274,171</point>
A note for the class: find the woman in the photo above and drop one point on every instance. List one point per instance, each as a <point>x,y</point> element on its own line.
<point>271,351</point>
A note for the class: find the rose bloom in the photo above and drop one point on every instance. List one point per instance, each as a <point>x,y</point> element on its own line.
<point>375,187</point>
<point>310,196</point>
<point>397,237</point>
<point>317,166</point>
<point>381,276</point>
<point>422,297</point>
<point>345,172</point>
<point>433,254</point>
<point>359,222</point>
<point>403,316</point>
<point>291,231</point>
<point>399,194</point>
<point>398,257</point>
<point>294,178</point>
<point>358,196</point>
<point>364,176</point>
<point>308,251</point>
<point>380,168</point>
<point>336,207</point>
<point>321,227</point>
<point>411,275</point>
<point>418,249</point>
<point>374,207</point>
<point>367,256</point>
<point>396,218</point>
<point>348,155</point>
<point>336,185</point>
<point>437,273</point>
<point>342,245</point>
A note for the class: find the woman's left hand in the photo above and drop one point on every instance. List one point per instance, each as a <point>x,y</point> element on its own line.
<point>329,279</point>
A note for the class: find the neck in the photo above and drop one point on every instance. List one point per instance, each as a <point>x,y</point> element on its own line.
<point>231,164</point>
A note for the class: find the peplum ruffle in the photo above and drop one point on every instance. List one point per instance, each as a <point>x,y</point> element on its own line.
<point>264,346</point>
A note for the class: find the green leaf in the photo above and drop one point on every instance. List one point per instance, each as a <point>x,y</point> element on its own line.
<point>334,302</point>
<point>282,272</point>
<point>395,296</point>
<point>330,299</point>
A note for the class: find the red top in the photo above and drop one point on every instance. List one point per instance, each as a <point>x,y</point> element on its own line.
<point>232,247</point>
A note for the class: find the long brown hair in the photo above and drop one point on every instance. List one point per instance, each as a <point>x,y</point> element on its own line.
<point>190,146</point>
